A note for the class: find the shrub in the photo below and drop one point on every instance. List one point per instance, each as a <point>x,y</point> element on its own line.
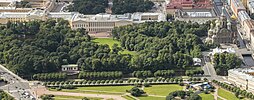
<point>146,84</point>
<point>68,87</point>
<point>135,91</point>
<point>181,84</point>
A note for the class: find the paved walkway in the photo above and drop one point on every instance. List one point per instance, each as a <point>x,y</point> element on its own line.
<point>216,95</point>
<point>40,90</point>
<point>104,96</point>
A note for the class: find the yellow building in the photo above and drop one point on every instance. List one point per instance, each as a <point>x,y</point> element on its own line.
<point>106,22</point>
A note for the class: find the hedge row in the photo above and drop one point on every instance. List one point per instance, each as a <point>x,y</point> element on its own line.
<point>235,90</point>
<point>112,82</point>
<point>50,76</point>
<point>100,75</point>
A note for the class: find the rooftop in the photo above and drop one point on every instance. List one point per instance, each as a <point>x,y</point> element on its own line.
<point>251,4</point>
<point>218,50</point>
<point>238,4</point>
<point>124,17</point>
<point>196,13</point>
<point>250,23</point>
<point>243,15</point>
<point>179,4</point>
<point>246,73</point>
<point>70,65</point>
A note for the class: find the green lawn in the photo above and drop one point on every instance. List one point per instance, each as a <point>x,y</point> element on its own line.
<point>206,96</point>
<point>108,41</point>
<point>96,89</point>
<point>62,97</point>
<point>111,42</point>
<point>226,94</point>
<point>162,90</point>
<point>152,98</point>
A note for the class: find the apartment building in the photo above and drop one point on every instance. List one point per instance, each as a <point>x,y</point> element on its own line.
<point>242,77</point>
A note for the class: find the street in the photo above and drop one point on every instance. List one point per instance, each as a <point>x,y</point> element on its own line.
<point>17,87</point>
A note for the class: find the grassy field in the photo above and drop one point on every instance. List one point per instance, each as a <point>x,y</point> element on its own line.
<point>61,97</point>
<point>206,96</point>
<point>111,42</point>
<point>162,90</point>
<point>226,94</point>
<point>152,98</point>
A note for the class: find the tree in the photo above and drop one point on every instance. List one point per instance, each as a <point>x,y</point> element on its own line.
<point>194,97</point>
<point>89,6</point>
<point>116,48</point>
<point>237,94</point>
<point>252,16</point>
<point>85,98</point>
<point>131,6</point>
<point>169,17</point>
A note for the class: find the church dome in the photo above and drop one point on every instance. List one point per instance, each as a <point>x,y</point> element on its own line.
<point>233,17</point>
<point>229,23</point>
<point>224,30</point>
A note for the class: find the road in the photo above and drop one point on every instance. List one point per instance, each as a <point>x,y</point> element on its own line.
<point>17,87</point>
<point>208,68</point>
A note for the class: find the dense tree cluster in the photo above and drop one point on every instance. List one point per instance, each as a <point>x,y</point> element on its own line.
<point>100,75</point>
<point>50,76</point>
<point>225,61</point>
<point>131,6</point>
<point>142,74</point>
<point>164,73</point>
<point>89,6</point>
<point>162,45</point>
<point>238,92</point>
<point>5,96</point>
<point>42,47</point>
<point>183,95</point>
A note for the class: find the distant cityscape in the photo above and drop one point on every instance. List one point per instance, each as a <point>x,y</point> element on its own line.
<point>127,50</point>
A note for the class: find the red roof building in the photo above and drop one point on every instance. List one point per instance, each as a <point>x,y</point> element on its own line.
<point>188,4</point>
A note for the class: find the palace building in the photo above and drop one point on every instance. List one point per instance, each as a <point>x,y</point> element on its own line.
<point>92,23</point>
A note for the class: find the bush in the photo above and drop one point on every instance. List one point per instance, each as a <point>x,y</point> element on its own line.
<point>50,76</point>
<point>181,84</point>
<point>68,87</point>
<point>59,89</point>
<point>147,84</point>
<point>100,75</point>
